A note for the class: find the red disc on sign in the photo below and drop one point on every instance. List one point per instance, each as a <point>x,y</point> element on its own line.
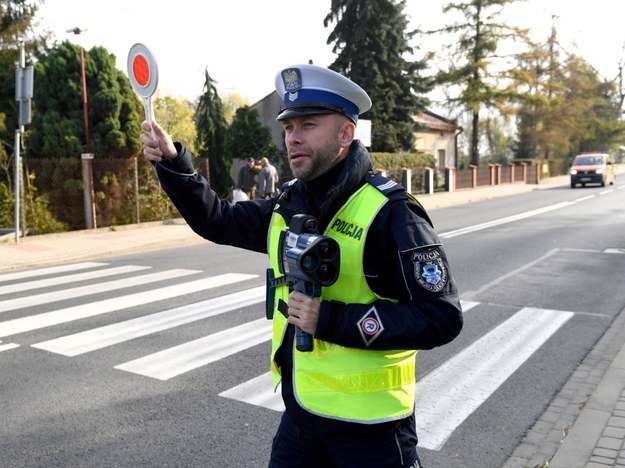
<point>141,70</point>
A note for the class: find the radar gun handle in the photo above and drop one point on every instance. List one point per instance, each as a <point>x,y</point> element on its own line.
<point>303,340</point>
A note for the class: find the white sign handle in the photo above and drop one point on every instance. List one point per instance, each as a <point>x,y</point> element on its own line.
<point>149,113</point>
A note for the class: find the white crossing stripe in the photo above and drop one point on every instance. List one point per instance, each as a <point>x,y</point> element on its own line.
<point>48,271</point>
<point>454,390</point>
<point>468,305</point>
<point>469,377</point>
<point>257,391</point>
<point>172,362</point>
<point>7,346</point>
<point>58,280</point>
<point>97,338</point>
<point>35,322</point>
<point>180,359</point>
<point>90,290</point>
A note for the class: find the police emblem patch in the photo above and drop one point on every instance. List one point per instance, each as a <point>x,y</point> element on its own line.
<point>370,326</point>
<point>292,79</point>
<point>429,270</point>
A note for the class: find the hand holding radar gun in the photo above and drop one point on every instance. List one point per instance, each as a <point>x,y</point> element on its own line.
<point>143,74</point>
<point>309,261</point>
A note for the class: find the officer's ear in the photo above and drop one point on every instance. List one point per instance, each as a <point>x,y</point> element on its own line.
<point>347,131</point>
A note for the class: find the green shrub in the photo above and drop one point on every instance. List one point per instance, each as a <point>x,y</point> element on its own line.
<point>7,200</point>
<point>36,210</point>
<point>392,162</point>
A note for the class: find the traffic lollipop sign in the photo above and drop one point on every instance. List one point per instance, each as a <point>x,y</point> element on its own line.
<point>143,74</point>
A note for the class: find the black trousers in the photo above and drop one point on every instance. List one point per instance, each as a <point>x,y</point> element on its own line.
<point>294,448</point>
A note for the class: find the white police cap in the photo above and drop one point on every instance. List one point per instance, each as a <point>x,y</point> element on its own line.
<point>310,89</point>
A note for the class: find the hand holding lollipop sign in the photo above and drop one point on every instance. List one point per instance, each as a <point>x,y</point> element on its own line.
<point>143,74</point>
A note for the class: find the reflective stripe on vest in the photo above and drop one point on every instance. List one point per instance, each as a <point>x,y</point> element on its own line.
<point>334,381</point>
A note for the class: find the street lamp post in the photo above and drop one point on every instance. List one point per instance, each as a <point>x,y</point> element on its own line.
<point>86,158</point>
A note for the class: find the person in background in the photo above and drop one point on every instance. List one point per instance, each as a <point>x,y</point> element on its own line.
<point>349,402</point>
<point>267,179</point>
<point>245,180</point>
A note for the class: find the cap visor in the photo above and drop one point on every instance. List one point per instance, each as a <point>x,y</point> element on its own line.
<point>299,111</point>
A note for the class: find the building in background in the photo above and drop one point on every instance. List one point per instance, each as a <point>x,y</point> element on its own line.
<point>438,136</point>
<point>268,109</point>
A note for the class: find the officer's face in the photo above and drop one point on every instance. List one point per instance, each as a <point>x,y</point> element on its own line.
<point>316,142</point>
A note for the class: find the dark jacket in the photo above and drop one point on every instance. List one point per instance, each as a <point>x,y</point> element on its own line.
<point>424,315</point>
<point>245,180</point>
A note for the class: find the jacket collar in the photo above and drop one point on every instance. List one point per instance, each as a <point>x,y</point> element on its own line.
<point>323,196</point>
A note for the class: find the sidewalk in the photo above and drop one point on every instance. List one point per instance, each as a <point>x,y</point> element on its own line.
<point>583,426</point>
<point>74,246</point>
<point>50,249</point>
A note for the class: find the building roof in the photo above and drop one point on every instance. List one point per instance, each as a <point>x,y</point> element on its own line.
<point>434,122</point>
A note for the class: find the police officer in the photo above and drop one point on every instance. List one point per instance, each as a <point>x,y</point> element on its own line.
<point>349,401</point>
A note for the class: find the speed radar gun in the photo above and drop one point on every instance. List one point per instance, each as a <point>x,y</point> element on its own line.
<point>143,75</point>
<point>308,261</point>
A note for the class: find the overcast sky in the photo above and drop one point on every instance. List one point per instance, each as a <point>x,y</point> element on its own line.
<point>243,43</point>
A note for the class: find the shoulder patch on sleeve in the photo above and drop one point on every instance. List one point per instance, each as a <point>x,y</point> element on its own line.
<point>383,184</point>
<point>430,270</point>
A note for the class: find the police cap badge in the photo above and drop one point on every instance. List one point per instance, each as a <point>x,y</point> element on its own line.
<point>310,89</point>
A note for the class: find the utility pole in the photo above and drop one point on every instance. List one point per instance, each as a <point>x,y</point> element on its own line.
<point>23,95</point>
<point>86,158</point>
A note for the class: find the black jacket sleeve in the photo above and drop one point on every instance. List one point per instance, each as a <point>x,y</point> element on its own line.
<point>243,224</point>
<point>404,261</point>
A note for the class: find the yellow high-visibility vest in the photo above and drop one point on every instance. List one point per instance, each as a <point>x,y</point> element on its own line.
<point>358,385</point>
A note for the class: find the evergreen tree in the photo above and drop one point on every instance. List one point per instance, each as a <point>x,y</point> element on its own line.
<point>114,111</point>
<point>211,131</point>
<point>372,44</point>
<point>248,137</point>
<point>473,49</point>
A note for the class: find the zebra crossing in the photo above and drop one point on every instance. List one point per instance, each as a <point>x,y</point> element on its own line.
<point>516,338</point>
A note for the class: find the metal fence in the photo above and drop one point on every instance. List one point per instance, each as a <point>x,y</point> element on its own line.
<point>126,191</point>
<point>493,174</point>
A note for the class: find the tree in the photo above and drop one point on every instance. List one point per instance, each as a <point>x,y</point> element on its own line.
<point>372,44</point>
<point>114,111</point>
<point>211,131</point>
<point>536,81</point>
<point>468,70</point>
<point>177,117</point>
<point>565,108</point>
<point>247,137</point>
<point>499,142</point>
<point>231,103</point>
<point>592,108</point>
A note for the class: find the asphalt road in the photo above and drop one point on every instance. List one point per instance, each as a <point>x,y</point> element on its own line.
<point>156,364</point>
